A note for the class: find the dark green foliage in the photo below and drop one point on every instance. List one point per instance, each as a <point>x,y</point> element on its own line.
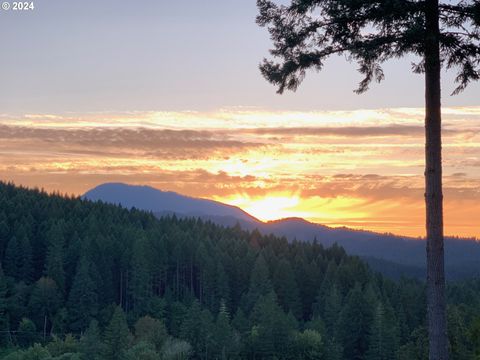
<point>27,333</point>
<point>91,343</point>
<point>354,324</point>
<point>226,341</point>
<point>461,348</point>
<point>54,261</point>
<point>45,301</point>
<point>140,276</point>
<point>83,299</point>
<point>260,284</point>
<point>117,337</point>
<point>272,329</point>
<point>18,258</point>
<point>58,346</point>
<point>306,32</point>
<point>416,348</point>
<point>151,331</point>
<point>191,287</point>
<point>474,337</point>
<point>308,345</point>
<point>286,289</point>
<point>196,329</point>
<point>142,351</point>
<point>4,321</point>
<point>382,337</point>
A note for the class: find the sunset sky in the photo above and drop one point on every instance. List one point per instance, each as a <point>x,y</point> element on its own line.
<point>169,94</point>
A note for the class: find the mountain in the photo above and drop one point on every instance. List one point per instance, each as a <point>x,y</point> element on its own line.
<point>164,202</point>
<point>385,252</point>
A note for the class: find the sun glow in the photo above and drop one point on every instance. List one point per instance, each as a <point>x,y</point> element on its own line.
<point>361,168</point>
<point>269,208</point>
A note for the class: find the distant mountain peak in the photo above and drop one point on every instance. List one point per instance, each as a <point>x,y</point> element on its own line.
<point>157,201</point>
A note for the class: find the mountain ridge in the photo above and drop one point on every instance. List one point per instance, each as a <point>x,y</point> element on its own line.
<point>401,252</point>
<point>178,203</point>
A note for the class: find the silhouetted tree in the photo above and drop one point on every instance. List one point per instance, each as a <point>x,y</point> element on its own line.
<point>306,32</point>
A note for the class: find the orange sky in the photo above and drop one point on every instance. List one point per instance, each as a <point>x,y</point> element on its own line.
<point>361,168</point>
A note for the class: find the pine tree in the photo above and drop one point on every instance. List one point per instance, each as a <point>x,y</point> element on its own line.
<point>328,281</point>
<point>241,323</point>
<point>18,259</point>
<point>176,314</point>
<point>4,231</point>
<point>82,300</point>
<point>140,285</point>
<point>333,306</point>
<point>117,336</point>
<point>27,333</point>
<point>4,316</point>
<point>260,284</point>
<point>44,302</point>
<point>54,263</point>
<point>353,325</point>
<point>416,348</point>
<point>272,330</point>
<point>26,257</point>
<point>460,346</point>
<point>382,341</point>
<point>305,33</point>
<point>474,337</point>
<point>286,289</point>
<point>225,340</point>
<point>222,288</point>
<point>91,345</point>
<point>196,328</point>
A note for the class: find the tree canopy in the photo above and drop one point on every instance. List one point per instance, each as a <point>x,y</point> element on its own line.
<point>306,32</point>
<point>204,292</point>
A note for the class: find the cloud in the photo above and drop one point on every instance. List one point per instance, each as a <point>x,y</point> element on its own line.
<point>344,131</point>
<point>164,143</point>
<point>364,167</point>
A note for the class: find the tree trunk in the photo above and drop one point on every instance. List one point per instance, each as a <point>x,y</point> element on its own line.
<point>436,308</point>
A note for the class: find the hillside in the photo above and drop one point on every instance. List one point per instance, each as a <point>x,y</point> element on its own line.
<point>150,199</point>
<point>397,254</point>
<point>126,285</point>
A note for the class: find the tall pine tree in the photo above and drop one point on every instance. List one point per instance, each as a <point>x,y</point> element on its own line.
<point>117,337</point>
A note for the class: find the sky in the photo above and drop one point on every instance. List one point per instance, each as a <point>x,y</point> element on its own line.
<point>169,94</point>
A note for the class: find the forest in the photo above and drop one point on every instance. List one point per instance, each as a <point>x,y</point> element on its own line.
<point>85,280</point>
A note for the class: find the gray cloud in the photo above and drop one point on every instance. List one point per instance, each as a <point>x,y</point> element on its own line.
<point>351,131</point>
<point>113,142</point>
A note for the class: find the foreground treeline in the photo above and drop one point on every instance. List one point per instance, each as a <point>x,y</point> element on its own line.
<point>84,280</point>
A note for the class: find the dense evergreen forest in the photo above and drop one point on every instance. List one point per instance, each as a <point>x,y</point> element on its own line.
<point>83,280</point>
